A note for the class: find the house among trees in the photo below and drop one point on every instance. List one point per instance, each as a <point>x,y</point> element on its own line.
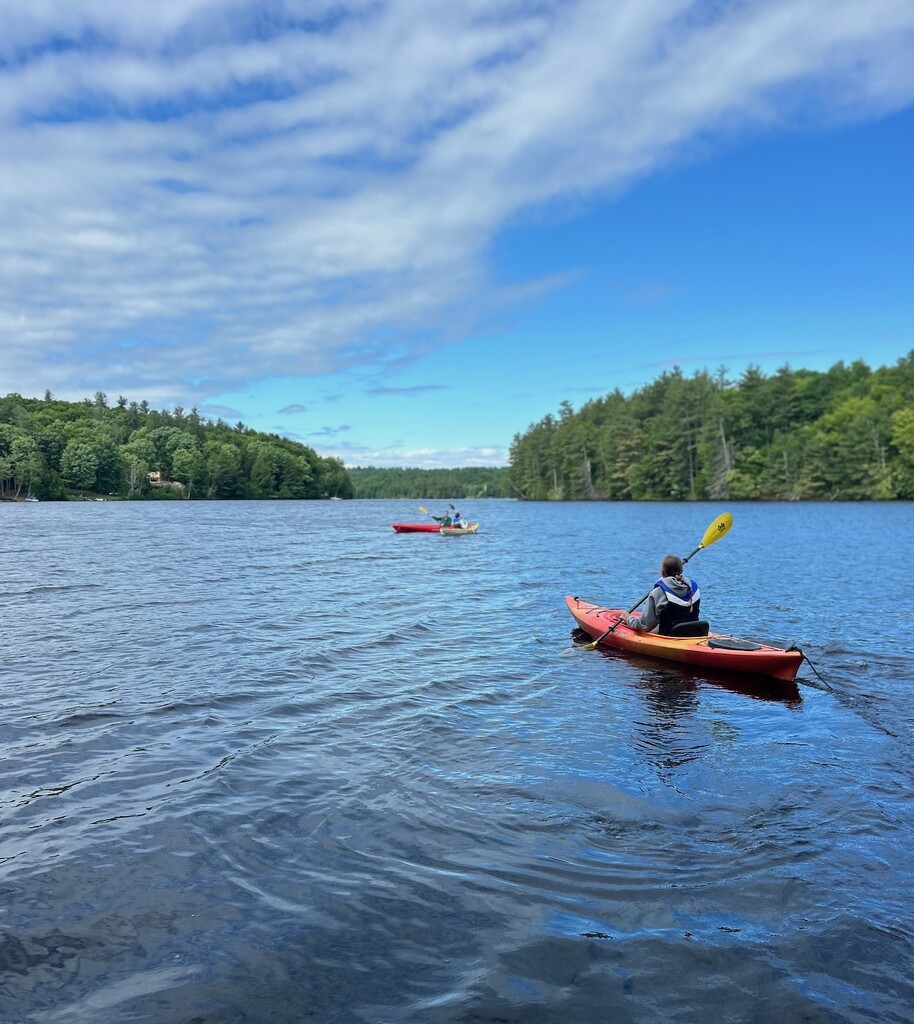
<point>157,480</point>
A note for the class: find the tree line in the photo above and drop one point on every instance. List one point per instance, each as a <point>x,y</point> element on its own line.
<point>431,484</point>
<point>843,434</point>
<point>55,450</point>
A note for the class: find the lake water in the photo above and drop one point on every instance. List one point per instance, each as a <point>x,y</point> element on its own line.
<point>271,762</point>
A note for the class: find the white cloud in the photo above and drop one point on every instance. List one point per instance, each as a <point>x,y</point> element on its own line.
<point>241,189</point>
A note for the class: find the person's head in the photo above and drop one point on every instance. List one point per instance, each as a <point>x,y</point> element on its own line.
<point>672,565</point>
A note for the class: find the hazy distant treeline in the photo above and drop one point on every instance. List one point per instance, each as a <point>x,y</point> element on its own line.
<point>434,484</point>
<point>844,434</point>
<point>56,450</point>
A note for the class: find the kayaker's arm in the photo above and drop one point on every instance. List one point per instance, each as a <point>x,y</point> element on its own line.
<point>649,619</point>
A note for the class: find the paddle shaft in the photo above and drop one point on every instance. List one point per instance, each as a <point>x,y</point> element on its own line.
<point>437,519</point>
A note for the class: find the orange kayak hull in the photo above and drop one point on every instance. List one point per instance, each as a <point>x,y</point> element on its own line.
<point>760,660</point>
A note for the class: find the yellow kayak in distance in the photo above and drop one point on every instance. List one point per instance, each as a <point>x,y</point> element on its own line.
<point>458,531</point>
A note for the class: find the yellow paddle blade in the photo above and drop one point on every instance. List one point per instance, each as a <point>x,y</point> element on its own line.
<point>717,529</point>
<point>425,510</point>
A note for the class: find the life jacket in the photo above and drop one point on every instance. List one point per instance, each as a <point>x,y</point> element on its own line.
<point>677,609</point>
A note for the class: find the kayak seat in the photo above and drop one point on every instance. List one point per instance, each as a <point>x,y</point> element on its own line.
<point>697,628</point>
<point>733,645</point>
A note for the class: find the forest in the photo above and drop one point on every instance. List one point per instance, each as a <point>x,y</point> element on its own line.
<point>55,450</point>
<point>844,434</point>
<point>434,484</point>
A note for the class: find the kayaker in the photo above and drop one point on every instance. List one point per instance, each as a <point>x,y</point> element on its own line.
<point>675,598</point>
<point>458,522</point>
<point>444,520</point>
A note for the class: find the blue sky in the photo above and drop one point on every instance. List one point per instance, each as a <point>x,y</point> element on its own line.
<point>402,232</point>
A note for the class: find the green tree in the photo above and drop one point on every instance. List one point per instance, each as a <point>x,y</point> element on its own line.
<point>79,465</point>
<point>902,439</point>
<point>223,468</point>
<point>189,468</point>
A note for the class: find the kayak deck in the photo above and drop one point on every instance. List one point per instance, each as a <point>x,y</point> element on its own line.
<point>415,527</point>
<point>715,651</point>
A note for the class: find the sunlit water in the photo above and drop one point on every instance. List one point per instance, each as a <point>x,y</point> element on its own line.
<point>271,762</point>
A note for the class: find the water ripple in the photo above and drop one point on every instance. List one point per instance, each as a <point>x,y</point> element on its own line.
<point>307,769</point>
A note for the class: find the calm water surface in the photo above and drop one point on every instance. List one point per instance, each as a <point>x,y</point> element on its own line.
<point>271,762</point>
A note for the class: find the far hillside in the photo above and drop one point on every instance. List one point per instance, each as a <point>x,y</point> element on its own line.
<point>57,450</point>
<point>800,435</point>
<point>431,484</point>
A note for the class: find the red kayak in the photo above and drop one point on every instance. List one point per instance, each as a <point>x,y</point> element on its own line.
<point>416,527</point>
<point>714,651</point>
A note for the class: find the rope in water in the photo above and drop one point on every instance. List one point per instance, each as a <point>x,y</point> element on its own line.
<point>813,667</point>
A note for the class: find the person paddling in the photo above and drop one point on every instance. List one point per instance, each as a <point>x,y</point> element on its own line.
<point>675,598</point>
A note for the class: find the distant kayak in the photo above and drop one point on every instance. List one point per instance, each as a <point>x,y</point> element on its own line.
<point>458,531</point>
<point>415,527</point>
<point>714,651</point>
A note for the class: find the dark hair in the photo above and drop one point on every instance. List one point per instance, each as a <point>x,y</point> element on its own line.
<point>672,565</point>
